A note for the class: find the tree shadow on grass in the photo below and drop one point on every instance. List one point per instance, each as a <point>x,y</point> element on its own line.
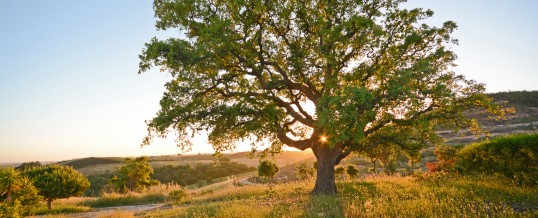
<point>324,206</point>
<point>330,205</point>
<point>361,190</point>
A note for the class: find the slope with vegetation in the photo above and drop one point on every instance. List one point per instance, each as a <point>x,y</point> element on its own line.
<point>523,120</point>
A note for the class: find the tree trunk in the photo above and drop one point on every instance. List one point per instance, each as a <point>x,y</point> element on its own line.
<point>8,196</point>
<point>326,158</point>
<point>49,203</point>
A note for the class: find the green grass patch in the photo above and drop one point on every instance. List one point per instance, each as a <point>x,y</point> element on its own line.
<point>62,209</point>
<point>124,200</point>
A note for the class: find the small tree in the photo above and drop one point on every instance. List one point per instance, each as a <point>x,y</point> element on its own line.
<point>446,159</point>
<point>9,183</point>
<point>28,165</point>
<point>339,172</point>
<point>303,171</point>
<point>134,175</point>
<point>55,182</point>
<point>320,75</point>
<point>28,195</point>
<point>267,169</point>
<point>17,192</point>
<point>352,171</point>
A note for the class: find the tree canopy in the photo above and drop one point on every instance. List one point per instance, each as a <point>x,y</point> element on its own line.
<point>324,75</point>
<point>267,169</point>
<point>17,192</point>
<point>55,182</point>
<point>134,175</point>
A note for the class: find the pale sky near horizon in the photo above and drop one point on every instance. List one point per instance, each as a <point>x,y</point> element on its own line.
<point>69,86</point>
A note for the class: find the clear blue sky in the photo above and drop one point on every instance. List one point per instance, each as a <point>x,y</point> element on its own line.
<point>69,86</point>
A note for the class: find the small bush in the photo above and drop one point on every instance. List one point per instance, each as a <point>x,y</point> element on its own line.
<point>352,171</point>
<point>339,172</point>
<point>446,159</point>
<point>267,169</point>
<point>178,196</point>
<point>515,157</point>
<point>64,209</point>
<point>130,198</point>
<point>304,172</point>
<point>12,209</point>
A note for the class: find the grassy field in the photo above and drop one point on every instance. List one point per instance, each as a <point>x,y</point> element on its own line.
<point>374,196</point>
<point>101,166</point>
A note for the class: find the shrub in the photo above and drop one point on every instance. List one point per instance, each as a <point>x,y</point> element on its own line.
<point>134,175</point>
<point>178,196</point>
<point>303,172</point>
<point>352,171</point>
<point>446,159</point>
<point>11,209</point>
<point>55,182</point>
<point>267,169</point>
<point>339,172</point>
<point>513,156</point>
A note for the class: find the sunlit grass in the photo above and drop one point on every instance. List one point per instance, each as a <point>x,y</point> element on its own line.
<point>117,214</point>
<point>374,196</point>
<point>60,209</point>
<point>155,194</point>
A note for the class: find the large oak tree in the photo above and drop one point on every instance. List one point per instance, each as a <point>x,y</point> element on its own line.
<point>320,75</point>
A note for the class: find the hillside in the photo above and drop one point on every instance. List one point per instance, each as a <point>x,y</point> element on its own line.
<point>105,165</point>
<point>524,120</point>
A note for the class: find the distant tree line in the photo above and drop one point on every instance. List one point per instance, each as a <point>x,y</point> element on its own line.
<point>191,174</point>
<point>121,180</point>
<point>527,98</point>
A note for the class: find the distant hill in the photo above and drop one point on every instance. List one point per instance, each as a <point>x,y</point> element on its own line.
<point>106,165</point>
<point>524,120</point>
<point>522,98</point>
<point>90,161</point>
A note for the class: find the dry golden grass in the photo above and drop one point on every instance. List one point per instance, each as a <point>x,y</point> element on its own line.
<point>374,196</point>
<point>117,214</point>
<point>155,194</point>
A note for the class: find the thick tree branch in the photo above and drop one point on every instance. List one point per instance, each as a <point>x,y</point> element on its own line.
<point>299,144</point>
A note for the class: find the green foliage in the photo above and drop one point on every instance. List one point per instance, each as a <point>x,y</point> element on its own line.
<point>303,171</point>
<point>11,209</point>
<point>339,172</point>
<point>514,156</point>
<point>340,71</point>
<point>527,98</point>
<point>446,159</point>
<point>133,175</point>
<point>10,182</point>
<point>392,143</point>
<point>17,192</point>
<point>55,182</point>
<point>267,169</point>
<point>191,174</point>
<point>28,195</point>
<point>178,196</point>
<point>352,171</point>
<point>99,183</point>
<point>28,165</point>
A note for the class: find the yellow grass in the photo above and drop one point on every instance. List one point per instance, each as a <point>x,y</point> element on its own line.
<point>374,196</point>
<point>117,214</point>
